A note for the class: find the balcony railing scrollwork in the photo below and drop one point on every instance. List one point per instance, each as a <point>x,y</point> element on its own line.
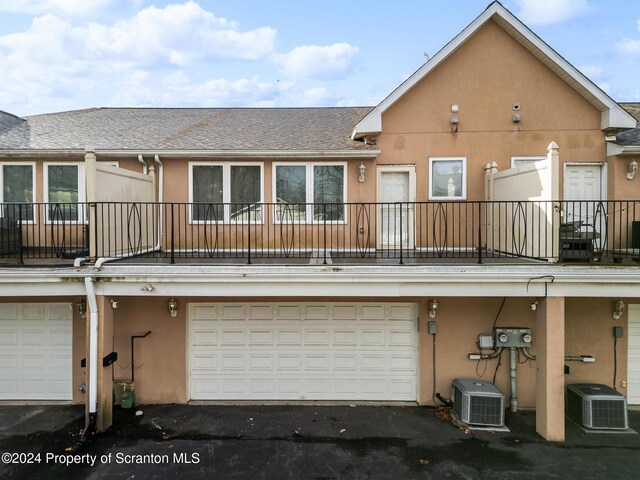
<point>401,232</point>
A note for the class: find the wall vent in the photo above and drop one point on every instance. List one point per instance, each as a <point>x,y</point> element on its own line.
<point>597,406</point>
<point>477,402</point>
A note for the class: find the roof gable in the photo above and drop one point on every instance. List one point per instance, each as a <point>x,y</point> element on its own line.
<point>612,115</point>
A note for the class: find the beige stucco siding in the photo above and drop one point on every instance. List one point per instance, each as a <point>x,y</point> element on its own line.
<point>485,76</point>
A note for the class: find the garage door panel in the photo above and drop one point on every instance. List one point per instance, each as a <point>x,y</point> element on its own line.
<point>261,312</point>
<point>8,312</point>
<point>633,356</point>
<point>289,337</point>
<point>373,312</point>
<point>289,362</point>
<point>316,312</point>
<point>9,337</point>
<point>36,361</point>
<point>345,337</point>
<point>260,337</point>
<point>33,312</point>
<point>232,337</point>
<point>288,312</point>
<point>231,313</point>
<point>204,337</point>
<point>306,351</point>
<point>345,362</point>
<point>33,337</point>
<point>60,338</point>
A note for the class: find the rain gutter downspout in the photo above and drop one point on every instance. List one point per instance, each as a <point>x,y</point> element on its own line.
<point>144,164</point>
<point>156,159</point>
<point>93,366</point>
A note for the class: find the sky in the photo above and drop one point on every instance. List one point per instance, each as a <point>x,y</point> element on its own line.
<point>59,55</point>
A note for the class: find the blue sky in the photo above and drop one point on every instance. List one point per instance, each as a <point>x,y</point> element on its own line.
<point>58,55</point>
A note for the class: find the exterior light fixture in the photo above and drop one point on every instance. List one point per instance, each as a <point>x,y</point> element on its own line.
<point>433,308</point>
<point>633,168</point>
<point>361,172</point>
<point>618,310</point>
<point>173,307</point>
<point>114,304</point>
<point>81,306</point>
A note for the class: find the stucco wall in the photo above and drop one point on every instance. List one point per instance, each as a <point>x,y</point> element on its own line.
<point>485,76</point>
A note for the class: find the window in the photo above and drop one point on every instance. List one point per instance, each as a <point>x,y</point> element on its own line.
<point>521,161</point>
<point>17,181</point>
<point>309,191</point>
<point>225,192</point>
<point>64,191</point>
<point>447,178</point>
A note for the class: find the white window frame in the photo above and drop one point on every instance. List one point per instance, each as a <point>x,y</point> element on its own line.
<point>527,158</point>
<point>226,189</point>
<point>432,160</point>
<point>309,190</point>
<point>33,186</point>
<point>82,194</point>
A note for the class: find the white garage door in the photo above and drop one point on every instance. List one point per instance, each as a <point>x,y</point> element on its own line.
<point>633,370</point>
<point>35,351</point>
<point>366,351</point>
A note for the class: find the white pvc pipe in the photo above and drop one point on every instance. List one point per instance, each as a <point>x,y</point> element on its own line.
<point>156,159</point>
<point>93,345</point>
<point>141,160</point>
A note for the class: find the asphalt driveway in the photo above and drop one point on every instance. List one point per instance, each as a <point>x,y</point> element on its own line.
<point>302,442</point>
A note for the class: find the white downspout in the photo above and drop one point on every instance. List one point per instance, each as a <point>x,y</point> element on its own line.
<point>144,164</point>
<point>93,345</point>
<point>90,429</point>
<point>156,159</point>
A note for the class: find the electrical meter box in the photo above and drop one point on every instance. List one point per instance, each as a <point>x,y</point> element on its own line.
<point>512,337</point>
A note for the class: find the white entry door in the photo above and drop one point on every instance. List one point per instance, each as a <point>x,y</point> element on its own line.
<point>310,351</point>
<point>584,188</point>
<point>396,194</point>
<point>633,357</point>
<point>35,351</point>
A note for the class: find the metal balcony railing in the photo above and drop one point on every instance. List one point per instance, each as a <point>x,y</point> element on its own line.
<point>400,232</point>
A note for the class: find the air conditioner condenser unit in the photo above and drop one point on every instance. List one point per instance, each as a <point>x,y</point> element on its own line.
<point>597,406</point>
<point>478,402</point>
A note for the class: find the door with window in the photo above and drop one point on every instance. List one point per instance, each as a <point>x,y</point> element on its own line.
<point>584,192</point>
<point>396,209</point>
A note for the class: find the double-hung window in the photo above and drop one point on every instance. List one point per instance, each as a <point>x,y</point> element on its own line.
<point>447,178</point>
<point>64,192</point>
<point>17,182</point>
<point>225,192</point>
<point>309,192</point>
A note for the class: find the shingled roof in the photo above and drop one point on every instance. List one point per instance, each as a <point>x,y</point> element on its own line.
<point>630,137</point>
<point>165,129</point>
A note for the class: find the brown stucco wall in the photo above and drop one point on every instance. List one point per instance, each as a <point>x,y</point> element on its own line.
<point>485,76</point>
<point>619,186</point>
<point>160,373</point>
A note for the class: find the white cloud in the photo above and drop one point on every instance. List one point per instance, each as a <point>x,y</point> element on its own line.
<point>320,62</point>
<point>70,8</point>
<point>591,71</point>
<point>54,61</point>
<point>545,12</point>
<point>180,34</point>
<point>629,47</point>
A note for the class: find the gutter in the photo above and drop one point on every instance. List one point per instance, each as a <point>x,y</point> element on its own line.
<point>292,154</point>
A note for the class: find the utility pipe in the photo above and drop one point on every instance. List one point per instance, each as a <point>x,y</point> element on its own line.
<point>144,164</point>
<point>93,366</point>
<point>156,159</point>
<point>513,362</point>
